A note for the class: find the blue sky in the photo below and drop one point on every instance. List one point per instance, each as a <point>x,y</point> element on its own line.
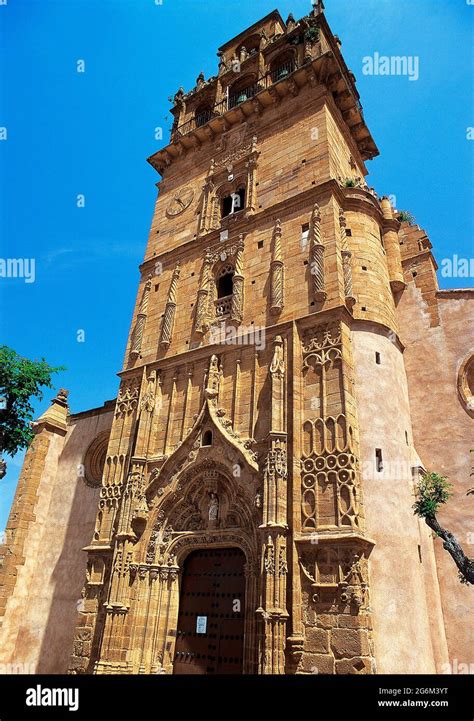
<point>71,133</point>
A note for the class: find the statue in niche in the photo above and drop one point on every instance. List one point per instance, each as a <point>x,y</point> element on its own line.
<point>213,378</point>
<point>213,509</point>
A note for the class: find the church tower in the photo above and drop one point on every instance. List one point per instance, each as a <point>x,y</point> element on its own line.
<point>242,525</point>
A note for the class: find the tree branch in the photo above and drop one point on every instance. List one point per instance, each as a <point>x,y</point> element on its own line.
<point>451,544</point>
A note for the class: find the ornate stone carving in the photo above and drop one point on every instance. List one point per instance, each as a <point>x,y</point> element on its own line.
<point>329,486</point>
<point>127,399</point>
<point>317,256</point>
<point>213,378</point>
<point>238,284</point>
<point>322,344</point>
<point>94,460</point>
<point>277,273</point>
<point>346,260</point>
<point>202,305</point>
<point>338,575</point>
<point>147,402</point>
<point>137,335</point>
<point>170,310</point>
<point>270,557</point>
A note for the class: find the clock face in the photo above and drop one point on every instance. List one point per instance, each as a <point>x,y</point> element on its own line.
<point>180,201</point>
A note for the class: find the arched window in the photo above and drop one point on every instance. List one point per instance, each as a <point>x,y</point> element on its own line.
<point>242,90</point>
<point>94,460</point>
<point>233,203</point>
<point>225,284</point>
<point>251,45</point>
<point>282,66</point>
<point>207,438</point>
<point>466,383</point>
<point>202,115</point>
<point>224,290</point>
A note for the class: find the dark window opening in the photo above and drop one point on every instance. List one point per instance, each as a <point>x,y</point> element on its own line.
<point>250,44</point>
<point>378,460</point>
<point>260,244</point>
<point>202,115</point>
<point>282,66</point>
<point>242,90</point>
<point>207,438</point>
<point>233,203</point>
<point>377,357</point>
<point>225,285</point>
<point>349,232</point>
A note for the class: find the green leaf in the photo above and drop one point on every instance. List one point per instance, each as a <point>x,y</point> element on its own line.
<point>21,380</point>
<point>432,492</point>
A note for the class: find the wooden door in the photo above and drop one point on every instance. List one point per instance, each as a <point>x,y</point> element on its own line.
<point>210,633</point>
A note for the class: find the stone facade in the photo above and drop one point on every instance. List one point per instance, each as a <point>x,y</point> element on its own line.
<point>275,397</point>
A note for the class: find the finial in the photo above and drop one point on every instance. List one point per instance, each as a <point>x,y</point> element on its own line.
<point>62,395</point>
<point>318,6</point>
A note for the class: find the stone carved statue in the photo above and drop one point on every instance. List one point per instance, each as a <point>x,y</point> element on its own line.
<point>213,507</point>
<point>213,377</point>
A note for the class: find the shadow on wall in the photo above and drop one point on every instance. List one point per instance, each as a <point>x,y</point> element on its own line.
<point>68,576</point>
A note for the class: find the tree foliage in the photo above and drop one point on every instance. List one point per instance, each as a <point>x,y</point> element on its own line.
<point>21,380</point>
<point>432,492</point>
<point>405,215</point>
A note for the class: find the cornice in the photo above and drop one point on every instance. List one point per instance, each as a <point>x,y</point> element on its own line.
<point>327,69</point>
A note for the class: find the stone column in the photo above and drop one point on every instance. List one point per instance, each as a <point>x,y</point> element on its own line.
<point>392,247</point>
